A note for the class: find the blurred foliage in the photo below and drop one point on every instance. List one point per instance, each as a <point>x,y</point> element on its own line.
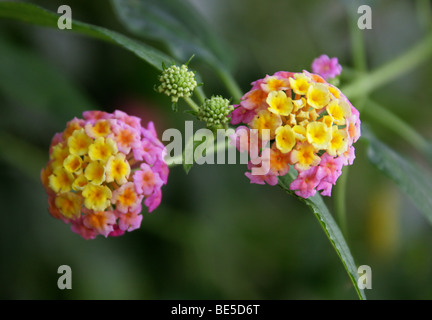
<point>215,236</point>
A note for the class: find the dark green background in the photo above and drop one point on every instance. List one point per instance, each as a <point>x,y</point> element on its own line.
<point>215,236</point>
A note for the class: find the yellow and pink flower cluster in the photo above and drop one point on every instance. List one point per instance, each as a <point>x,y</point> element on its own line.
<point>100,170</point>
<point>312,127</point>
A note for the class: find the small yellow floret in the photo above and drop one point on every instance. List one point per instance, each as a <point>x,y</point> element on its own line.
<point>318,95</point>
<point>304,156</point>
<point>279,103</point>
<point>265,120</point>
<point>79,142</point>
<point>299,84</point>
<point>339,110</point>
<point>102,128</point>
<point>285,139</point>
<point>69,204</point>
<point>72,163</point>
<point>96,197</point>
<point>102,149</point>
<point>79,183</point>
<point>339,142</point>
<point>60,180</point>
<point>319,135</point>
<point>118,169</point>
<point>95,172</point>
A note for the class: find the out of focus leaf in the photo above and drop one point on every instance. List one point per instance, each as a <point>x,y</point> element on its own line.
<point>33,83</point>
<point>412,180</point>
<point>30,13</point>
<point>178,25</point>
<point>331,229</point>
<point>17,152</point>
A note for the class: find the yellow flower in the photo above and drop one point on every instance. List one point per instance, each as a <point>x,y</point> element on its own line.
<point>328,120</point>
<point>118,169</point>
<point>304,156</point>
<point>69,204</point>
<point>79,142</point>
<point>72,163</point>
<point>285,139</point>
<point>96,197</point>
<point>339,110</point>
<point>95,172</point>
<point>299,84</point>
<point>266,120</point>
<point>102,128</point>
<point>275,84</point>
<point>59,153</point>
<point>79,183</point>
<point>279,103</point>
<point>318,135</point>
<point>299,132</point>
<point>60,180</point>
<point>102,149</point>
<point>339,142</point>
<point>318,95</point>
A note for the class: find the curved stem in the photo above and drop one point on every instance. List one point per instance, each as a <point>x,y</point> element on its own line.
<point>391,121</point>
<point>230,84</point>
<point>391,70</point>
<point>192,104</point>
<point>340,200</point>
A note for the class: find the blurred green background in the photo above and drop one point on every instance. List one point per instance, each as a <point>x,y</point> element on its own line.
<point>215,236</point>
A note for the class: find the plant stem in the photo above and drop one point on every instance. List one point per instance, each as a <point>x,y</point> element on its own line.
<point>230,84</point>
<point>391,121</point>
<point>358,48</point>
<point>200,94</point>
<point>391,70</point>
<point>192,104</point>
<point>340,200</point>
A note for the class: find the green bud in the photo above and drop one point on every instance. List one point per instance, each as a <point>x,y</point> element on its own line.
<point>177,82</point>
<point>215,112</point>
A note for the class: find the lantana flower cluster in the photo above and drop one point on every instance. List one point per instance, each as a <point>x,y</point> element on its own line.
<point>312,128</point>
<point>100,170</point>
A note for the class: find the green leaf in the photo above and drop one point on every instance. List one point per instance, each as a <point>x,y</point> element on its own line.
<point>178,25</point>
<point>331,229</point>
<point>35,85</point>
<point>415,182</point>
<point>30,13</point>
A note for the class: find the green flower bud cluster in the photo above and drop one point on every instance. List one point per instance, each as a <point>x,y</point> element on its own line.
<point>177,82</point>
<point>215,112</point>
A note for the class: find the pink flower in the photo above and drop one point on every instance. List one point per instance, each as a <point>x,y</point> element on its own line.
<point>101,221</point>
<point>306,182</point>
<point>326,67</point>
<point>125,136</point>
<point>154,200</point>
<point>126,198</point>
<point>349,156</point>
<point>325,187</point>
<point>132,121</point>
<point>241,115</point>
<point>146,180</point>
<point>78,227</point>
<point>330,167</point>
<point>95,115</point>
<point>130,221</point>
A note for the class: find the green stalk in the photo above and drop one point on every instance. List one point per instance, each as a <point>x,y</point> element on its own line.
<point>391,121</point>
<point>191,104</point>
<point>391,70</point>
<point>340,200</point>
<point>230,83</point>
